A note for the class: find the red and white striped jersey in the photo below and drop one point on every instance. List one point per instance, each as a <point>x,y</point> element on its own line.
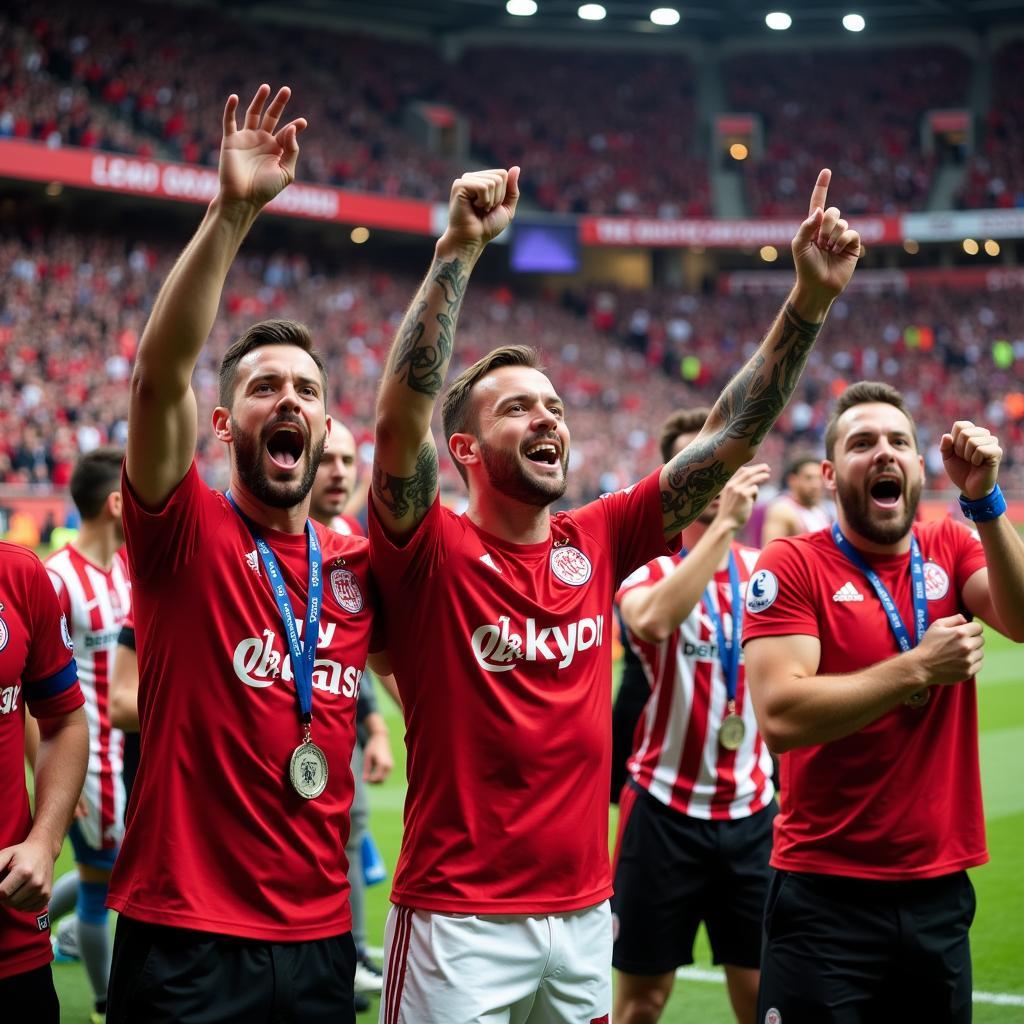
<point>676,754</point>
<point>95,604</point>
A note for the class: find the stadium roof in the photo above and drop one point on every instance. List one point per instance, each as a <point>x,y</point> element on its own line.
<point>707,20</point>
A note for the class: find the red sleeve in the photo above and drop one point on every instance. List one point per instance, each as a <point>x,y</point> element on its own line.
<point>63,597</point>
<point>414,557</point>
<point>631,521</point>
<point>780,593</point>
<point>50,676</point>
<point>969,555</point>
<point>166,539</point>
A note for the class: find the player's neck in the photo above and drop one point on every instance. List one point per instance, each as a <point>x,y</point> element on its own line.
<point>284,520</point>
<point>510,520</point>
<point>98,543</point>
<point>809,505</point>
<point>872,547</point>
<point>322,517</point>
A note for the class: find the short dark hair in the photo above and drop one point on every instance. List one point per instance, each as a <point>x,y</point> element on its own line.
<point>682,421</point>
<point>96,476</point>
<point>266,332</point>
<point>457,413</point>
<point>798,460</point>
<point>862,393</point>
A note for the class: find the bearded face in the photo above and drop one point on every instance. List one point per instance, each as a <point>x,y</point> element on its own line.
<point>512,472</point>
<point>278,464</point>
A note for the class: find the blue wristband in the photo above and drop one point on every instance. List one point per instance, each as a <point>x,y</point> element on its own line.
<point>982,510</point>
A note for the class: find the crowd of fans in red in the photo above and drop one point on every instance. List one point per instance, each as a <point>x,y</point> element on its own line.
<point>995,175</point>
<point>858,114</point>
<point>73,307</point>
<point>598,131</point>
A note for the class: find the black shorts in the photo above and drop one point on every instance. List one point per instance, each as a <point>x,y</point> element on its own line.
<point>29,998</point>
<point>853,951</point>
<point>164,975</point>
<point>674,871</point>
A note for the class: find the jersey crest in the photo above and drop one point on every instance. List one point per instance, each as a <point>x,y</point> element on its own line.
<point>571,566</point>
<point>346,590</point>
<point>936,581</point>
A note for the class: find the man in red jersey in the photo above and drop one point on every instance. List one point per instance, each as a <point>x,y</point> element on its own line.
<point>861,661</point>
<point>253,629</point>
<point>500,634</point>
<point>695,824</point>
<point>91,581</point>
<point>36,668</point>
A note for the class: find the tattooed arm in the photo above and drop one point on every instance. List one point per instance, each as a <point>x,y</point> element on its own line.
<point>825,251</point>
<point>405,457</point>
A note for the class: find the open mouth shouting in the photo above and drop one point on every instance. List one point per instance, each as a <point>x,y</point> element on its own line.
<point>546,452</point>
<point>886,490</point>
<point>285,445</point>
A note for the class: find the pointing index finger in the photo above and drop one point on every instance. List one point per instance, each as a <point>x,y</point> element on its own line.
<point>820,193</point>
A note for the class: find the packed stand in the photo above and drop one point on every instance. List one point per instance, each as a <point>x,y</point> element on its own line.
<point>858,113</point>
<point>994,178</point>
<point>72,309</point>
<point>597,132</point>
<point>155,86</point>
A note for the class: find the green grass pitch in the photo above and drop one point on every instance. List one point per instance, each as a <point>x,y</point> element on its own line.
<point>998,933</point>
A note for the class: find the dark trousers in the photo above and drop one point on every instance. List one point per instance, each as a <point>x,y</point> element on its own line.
<point>173,976</point>
<point>851,951</point>
<point>29,998</point>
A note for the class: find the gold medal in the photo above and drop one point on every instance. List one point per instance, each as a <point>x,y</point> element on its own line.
<point>308,770</point>
<point>732,731</point>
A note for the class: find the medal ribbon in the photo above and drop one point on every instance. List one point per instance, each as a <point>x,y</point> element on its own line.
<point>899,630</point>
<point>728,654</point>
<point>303,652</point>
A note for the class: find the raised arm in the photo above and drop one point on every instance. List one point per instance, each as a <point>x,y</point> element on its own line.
<point>405,457</point>
<point>996,593</point>
<point>654,613</point>
<point>256,163</point>
<point>825,251</point>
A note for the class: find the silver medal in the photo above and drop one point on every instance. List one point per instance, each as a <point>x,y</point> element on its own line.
<point>308,770</point>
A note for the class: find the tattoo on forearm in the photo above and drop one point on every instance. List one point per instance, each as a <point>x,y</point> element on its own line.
<point>746,410</point>
<point>405,495</point>
<point>692,490</point>
<point>421,351</point>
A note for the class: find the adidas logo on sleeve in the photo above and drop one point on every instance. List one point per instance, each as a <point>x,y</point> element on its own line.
<point>848,592</point>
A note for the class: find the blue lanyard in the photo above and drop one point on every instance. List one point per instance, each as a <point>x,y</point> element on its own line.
<point>899,630</point>
<point>728,654</point>
<point>303,653</point>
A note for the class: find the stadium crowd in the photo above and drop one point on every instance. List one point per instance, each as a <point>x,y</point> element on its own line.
<point>994,178</point>
<point>72,308</point>
<point>882,163</point>
<point>594,121</point>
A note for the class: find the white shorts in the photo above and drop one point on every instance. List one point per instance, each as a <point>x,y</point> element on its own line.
<point>103,825</point>
<point>498,969</point>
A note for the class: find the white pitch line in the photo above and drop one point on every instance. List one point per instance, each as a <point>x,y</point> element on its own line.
<point>718,978</point>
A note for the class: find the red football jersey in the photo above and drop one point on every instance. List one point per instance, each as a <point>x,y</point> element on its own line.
<point>901,798</point>
<point>502,654</point>
<point>216,839</point>
<point>676,754</point>
<point>36,666</point>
